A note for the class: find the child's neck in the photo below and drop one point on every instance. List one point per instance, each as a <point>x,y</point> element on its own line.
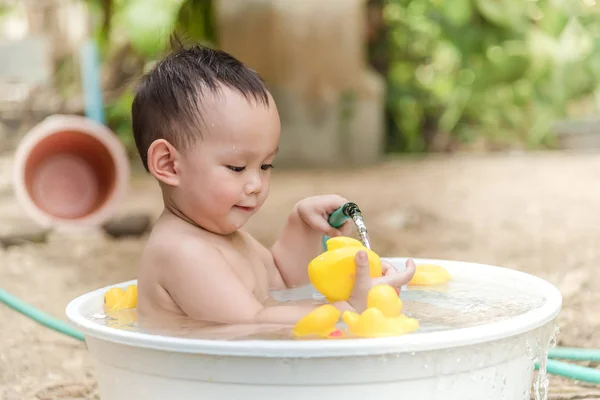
<point>171,211</point>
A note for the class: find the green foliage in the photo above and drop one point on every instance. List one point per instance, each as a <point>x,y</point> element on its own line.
<point>196,20</point>
<point>144,28</point>
<point>118,116</point>
<point>506,69</point>
<point>500,69</point>
<point>147,24</point>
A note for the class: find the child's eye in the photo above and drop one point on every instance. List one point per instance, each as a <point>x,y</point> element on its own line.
<point>266,166</point>
<point>236,169</point>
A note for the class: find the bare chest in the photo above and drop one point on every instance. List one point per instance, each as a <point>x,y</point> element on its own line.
<point>249,268</point>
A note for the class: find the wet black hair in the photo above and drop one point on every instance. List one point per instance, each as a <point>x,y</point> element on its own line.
<point>168,100</point>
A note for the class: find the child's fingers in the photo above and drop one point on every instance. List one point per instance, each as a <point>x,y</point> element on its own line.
<point>316,211</point>
<point>362,266</point>
<point>332,202</point>
<point>347,228</point>
<point>398,279</point>
<point>387,268</point>
<point>320,224</point>
<point>410,269</point>
<point>362,282</point>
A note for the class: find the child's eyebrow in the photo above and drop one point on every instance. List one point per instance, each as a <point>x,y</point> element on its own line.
<point>248,152</point>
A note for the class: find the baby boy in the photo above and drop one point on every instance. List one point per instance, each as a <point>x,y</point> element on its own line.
<point>207,129</point>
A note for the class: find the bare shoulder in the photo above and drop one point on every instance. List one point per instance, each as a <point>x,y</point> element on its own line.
<point>172,253</point>
<point>180,269</point>
<point>172,247</point>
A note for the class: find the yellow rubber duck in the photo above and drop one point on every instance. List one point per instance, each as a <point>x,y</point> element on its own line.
<point>118,299</point>
<point>382,317</point>
<point>319,322</point>
<point>427,274</point>
<point>332,272</point>
<point>124,318</point>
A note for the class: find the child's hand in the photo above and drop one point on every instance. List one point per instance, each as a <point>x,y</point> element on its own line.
<point>315,211</point>
<point>394,278</point>
<point>301,239</point>
<point>363,282</point>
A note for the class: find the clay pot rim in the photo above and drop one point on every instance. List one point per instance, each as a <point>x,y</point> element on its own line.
<point>50,126</point>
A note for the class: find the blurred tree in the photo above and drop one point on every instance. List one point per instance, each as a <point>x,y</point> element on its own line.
<point>499,69</point>
<point>457,72</point>
<point>132,35</point>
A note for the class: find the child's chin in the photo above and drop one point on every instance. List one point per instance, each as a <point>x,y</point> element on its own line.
<point>238,220</point>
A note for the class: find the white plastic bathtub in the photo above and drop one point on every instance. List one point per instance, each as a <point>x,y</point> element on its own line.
<point>481,362</point>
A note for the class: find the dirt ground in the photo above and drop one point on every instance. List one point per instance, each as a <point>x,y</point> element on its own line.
<point>536,213</point>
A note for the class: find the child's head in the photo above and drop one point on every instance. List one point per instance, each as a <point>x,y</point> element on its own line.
<point>208,130</point>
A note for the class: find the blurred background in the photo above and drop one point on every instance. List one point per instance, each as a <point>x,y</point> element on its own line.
<point>464,129</point>
<point>467,74</point>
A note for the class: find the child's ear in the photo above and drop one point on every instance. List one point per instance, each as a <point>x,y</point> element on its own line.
<point>162,162</point>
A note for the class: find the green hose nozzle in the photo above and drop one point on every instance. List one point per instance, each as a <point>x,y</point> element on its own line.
<point>342,214</point>
<point>348,211</point>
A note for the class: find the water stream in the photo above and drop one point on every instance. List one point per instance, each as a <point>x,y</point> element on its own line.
<point>544,341</point>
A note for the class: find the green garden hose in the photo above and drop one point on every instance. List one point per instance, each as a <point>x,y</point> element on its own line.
<point>576,372</point>
<point>575,354</point>
<point>39,316</point>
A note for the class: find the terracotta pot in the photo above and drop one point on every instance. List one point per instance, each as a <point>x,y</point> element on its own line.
<point>70,172</point>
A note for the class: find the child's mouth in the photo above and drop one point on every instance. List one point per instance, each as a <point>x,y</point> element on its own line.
<point>246,209</point>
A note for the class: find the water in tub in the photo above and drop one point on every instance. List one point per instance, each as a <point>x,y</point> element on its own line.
<point>465,301</point>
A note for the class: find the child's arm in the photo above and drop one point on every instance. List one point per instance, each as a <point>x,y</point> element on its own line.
<point>206,288</point>
<point>301,239</point>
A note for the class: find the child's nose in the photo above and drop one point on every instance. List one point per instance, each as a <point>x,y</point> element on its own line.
<point>254,185</point>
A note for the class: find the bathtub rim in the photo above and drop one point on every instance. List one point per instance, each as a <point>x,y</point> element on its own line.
<point>428,341</point>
